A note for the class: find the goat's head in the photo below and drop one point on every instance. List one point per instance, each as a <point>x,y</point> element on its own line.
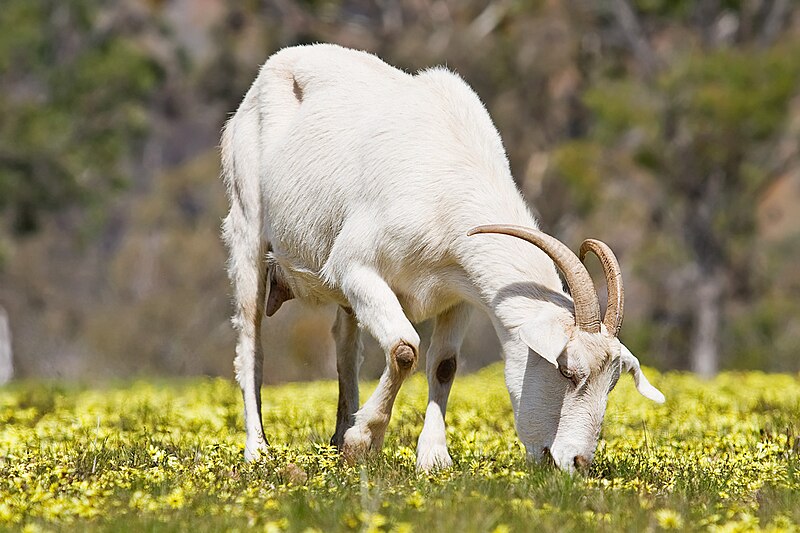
<point>560,368</point>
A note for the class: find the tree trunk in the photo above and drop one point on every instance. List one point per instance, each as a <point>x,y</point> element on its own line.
<point>632,30</point>
<point>704,197</point>
<point>707,314</point>
<point>6,358</point>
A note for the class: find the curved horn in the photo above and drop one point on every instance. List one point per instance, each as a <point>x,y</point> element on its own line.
<point>587,307</point>
<point>616,292</point>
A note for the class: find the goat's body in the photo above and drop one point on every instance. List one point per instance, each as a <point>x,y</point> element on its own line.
<point>347,146</point>
<point>355,183</point>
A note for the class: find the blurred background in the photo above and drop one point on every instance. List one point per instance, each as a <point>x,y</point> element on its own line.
<point>669,129</point>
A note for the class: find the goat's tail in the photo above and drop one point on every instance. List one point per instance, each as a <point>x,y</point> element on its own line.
<point>265,113</point>
<point>240,165</point>
<point>267,109</point>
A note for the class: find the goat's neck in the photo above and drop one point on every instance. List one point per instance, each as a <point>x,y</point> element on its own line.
<point>512,279</point>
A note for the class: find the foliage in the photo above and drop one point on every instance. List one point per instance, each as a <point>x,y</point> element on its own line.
<point>707,113</point>
<point>720,456</point>
<point>72,98</point>
<point>700,141</point>
<point>95,93</point>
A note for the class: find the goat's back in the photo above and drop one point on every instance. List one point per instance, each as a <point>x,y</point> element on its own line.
<point>361,162</point>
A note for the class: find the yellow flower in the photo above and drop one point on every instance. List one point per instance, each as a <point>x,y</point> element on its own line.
<point>176,499</point>
<point>415,500</point>
<point>669,519</point>
<point>373,522</point>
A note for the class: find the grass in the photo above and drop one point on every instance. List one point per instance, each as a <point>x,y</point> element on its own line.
<point>722,455</point>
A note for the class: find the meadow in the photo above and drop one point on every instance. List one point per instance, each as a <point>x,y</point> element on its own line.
<point>160,455</point>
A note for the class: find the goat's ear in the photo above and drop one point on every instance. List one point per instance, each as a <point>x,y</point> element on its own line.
<point>545,335</point>
<point>631,364</point>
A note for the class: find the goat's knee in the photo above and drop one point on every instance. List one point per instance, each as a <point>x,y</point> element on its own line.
<point>446,370</point>
<point>404,357</point>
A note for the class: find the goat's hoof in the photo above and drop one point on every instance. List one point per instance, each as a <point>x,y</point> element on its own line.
<point>433,458</point>
<point>337,440</point>
<point>256,451</point>
<point>357,444</point>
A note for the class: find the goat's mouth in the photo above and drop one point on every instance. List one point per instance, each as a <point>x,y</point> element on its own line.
<point>547,458</point>
<point>580,464</point>
<point>543,457</point>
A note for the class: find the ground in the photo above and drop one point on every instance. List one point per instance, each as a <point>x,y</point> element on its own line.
<point>167,455</point>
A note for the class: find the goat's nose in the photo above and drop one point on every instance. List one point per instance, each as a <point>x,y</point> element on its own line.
<point>581,462</point>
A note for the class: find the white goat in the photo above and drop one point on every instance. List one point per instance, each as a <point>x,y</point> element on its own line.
<point>353,182</point>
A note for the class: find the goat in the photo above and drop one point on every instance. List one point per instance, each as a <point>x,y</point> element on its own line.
<point>355,183</point>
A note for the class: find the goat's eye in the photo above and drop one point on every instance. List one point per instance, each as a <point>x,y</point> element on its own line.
<point>567,373</point>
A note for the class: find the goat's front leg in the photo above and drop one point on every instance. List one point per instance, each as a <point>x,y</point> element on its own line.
<point>442,358</point>
<point>377,309</point>
<point>348,360</point>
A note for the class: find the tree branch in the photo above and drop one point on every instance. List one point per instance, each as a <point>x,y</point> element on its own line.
<point>632,30</point>
<point>774,22</point>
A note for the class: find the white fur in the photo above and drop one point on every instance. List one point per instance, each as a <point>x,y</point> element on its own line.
<point>363,181</point>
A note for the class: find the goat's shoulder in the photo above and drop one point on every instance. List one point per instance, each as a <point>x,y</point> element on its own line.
<point>459,109</point>
<point>449,86</point>
<point>457,100</point>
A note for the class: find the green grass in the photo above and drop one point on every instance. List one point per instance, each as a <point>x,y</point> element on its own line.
<point>167,455</point>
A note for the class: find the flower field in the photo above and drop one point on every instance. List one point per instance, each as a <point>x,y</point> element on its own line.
<point>167,455</point>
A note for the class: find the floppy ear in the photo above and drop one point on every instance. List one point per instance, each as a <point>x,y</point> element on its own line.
<point>545,335</point>
<point>631,364</point>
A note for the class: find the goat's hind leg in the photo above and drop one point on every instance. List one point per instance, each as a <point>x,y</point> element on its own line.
<point>248,272</point>
<point>348,360</point>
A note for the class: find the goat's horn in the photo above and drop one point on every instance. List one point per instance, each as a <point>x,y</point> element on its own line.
<point>616,292</point>
<point>587,307</point>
